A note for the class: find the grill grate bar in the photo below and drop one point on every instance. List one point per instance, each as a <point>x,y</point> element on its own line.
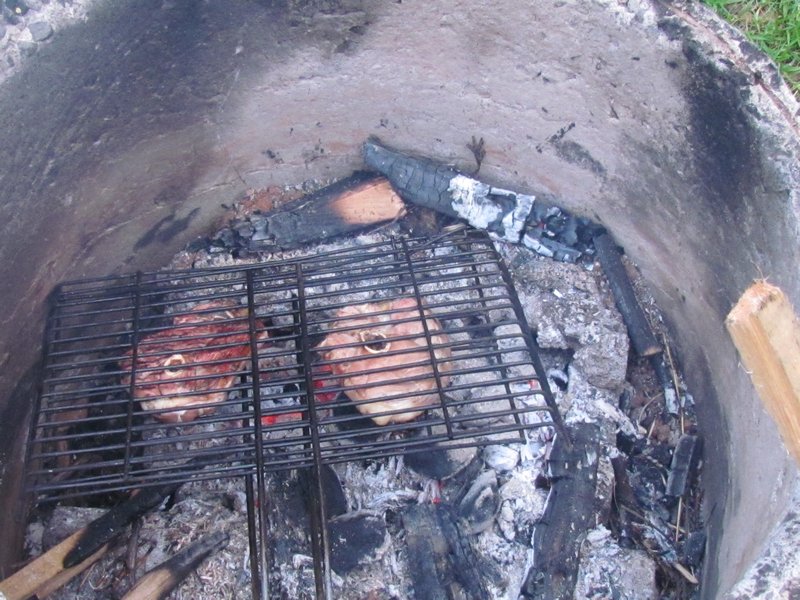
<point>390,347</point>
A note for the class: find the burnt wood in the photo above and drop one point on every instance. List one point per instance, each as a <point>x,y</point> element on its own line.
<point>159,582</point>
<point>572,510</point>
<point>439,187</point>
<point>642,338</point>
<point>418,180</point>
<point>441,561</point>
<point>347,206</point>
<point>104,529</point>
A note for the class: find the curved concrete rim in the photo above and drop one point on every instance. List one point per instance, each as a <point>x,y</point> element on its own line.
<point>124,133</point>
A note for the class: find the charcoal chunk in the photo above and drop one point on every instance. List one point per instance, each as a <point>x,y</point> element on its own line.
<point>354,540</point>
<point>684,460</point>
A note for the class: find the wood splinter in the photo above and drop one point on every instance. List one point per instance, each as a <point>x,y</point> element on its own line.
<point>766,332</point>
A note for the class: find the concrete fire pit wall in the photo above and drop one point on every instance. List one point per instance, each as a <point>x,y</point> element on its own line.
<point>123,134</point>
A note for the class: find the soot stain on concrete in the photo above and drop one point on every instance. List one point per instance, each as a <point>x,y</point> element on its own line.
<point>722,135</point>
<point>574,153</point>
<point>166,229</point>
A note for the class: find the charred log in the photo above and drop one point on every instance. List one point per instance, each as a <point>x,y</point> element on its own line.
<point>445,190</point>
<point>572,510</point>
<point>441,561</point>
<point>346,206</point>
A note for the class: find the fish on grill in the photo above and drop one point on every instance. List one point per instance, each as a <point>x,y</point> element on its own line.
<point>192,364</point>
<point>380,353</point>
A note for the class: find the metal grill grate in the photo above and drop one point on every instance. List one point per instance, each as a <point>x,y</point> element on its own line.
<point>379,349</point>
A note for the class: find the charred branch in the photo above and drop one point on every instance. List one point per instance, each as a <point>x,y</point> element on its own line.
<point>101,531</point>
<point>349,205</point>
<point>642,338</point>
<point>441,561</point>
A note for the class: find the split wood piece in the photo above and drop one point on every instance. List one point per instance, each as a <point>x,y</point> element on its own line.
<point>572,510</point>
<point>159,582</point>
<point>346,206</point>
<point>427,183</point>
<point>642,338</point>
<point>61,563</point>
<point>766,332</point>
<point>46,574</point>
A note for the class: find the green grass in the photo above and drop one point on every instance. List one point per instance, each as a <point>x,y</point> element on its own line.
<point>773,25</point>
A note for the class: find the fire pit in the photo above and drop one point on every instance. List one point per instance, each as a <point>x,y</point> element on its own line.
<point>124,132</point>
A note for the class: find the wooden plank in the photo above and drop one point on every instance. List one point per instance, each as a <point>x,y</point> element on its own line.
<point>46,573</point>
<point>766,332</point>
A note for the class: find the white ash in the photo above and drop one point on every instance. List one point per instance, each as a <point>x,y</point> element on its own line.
<point>501,458</point>
<point>610,571</point>
<point>475,202</point>
<point>578,318</point>
<point>570,311</point>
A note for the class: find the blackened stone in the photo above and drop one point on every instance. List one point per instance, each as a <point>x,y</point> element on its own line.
<point>354,539</point>
<point>439,463</point>
<point>17,7</point>
<point>197,245</point>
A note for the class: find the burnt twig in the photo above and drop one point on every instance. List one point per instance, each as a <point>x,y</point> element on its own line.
<point>102,530</point>
<point>477,147</point>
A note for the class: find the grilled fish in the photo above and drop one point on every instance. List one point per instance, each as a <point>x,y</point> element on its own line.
<point>192,363</point>
<point>380,354</point>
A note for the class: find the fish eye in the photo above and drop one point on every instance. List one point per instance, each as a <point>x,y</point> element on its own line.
<point>374,342</point>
